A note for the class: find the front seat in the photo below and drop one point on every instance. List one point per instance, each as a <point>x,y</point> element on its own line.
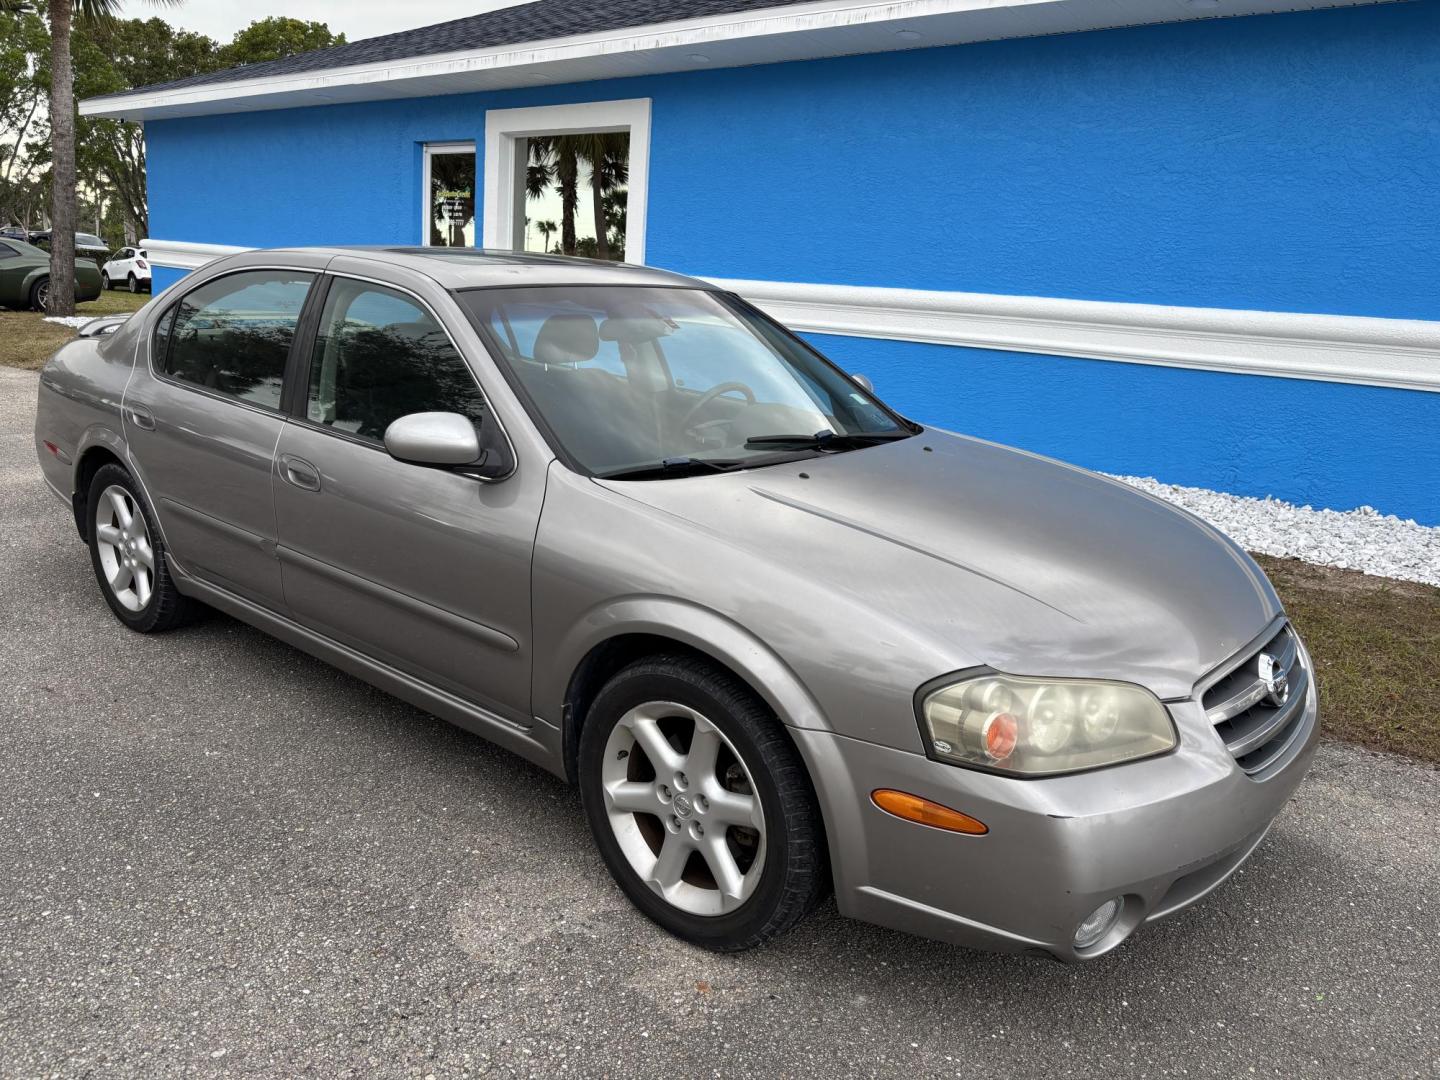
<point>592,410</point>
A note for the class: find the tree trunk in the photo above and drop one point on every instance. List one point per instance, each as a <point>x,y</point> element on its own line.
<point>569,196</point>
<point>597,203</point>
<point>62,166</point>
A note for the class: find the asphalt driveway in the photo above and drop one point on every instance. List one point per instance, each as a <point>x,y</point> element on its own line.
<point>220,857</point>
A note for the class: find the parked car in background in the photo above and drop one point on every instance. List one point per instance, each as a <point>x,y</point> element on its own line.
<point>25,276</point>
<point>87,245</point>
<point>15,232</point>
<point>129,267</point>
<point>626,525</point>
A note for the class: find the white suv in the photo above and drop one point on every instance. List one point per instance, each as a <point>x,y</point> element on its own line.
<point>130,266</point>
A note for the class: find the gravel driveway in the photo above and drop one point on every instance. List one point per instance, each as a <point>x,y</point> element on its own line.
<point>220,857</point>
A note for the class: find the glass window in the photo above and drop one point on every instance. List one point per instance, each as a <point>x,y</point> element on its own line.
<point>379,356</point>
<point>592,168</point>
<point>7,252</point>
<point>450,180</point>
<point>233,335</point>
<point>629,378</point>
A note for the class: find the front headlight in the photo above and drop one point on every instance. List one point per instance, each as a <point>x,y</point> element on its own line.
<point>1040,727</point>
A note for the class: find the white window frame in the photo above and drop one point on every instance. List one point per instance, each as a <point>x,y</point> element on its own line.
<point>430,150</point>
<point>504,214</point>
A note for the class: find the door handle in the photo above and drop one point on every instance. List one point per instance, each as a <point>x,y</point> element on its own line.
<point>141,417</point>
<point>299,472</point>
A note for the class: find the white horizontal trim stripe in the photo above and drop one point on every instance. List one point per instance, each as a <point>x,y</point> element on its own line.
<point>763,36</point>
<point>1294,345</point>
<point>1402,353</point>
<point>181,255</point>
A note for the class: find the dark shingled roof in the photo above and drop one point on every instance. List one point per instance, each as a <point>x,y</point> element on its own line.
<point>507,26</point>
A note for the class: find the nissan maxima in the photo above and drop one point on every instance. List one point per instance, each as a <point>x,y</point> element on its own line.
<point>784,639</point>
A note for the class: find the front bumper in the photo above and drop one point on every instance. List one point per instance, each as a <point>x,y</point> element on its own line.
<point>1162,833</point>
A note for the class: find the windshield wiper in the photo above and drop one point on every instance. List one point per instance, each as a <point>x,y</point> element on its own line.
<point>671,467</point>
<point>828,440</point>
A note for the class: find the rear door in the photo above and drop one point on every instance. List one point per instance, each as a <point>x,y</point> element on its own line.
<point>425,569</point>
<point>203,417</point>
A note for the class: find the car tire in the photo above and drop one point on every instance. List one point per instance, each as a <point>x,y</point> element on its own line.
<point>641,798</point>
<point>128,555</point>
<point>105,285</point>
<point>134,284</point>
<point>40,294</point>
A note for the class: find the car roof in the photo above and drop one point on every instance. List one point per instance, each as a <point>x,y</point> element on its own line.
<point>477,268</point>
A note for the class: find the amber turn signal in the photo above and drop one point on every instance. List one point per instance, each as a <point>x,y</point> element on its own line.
<point>925,812</point>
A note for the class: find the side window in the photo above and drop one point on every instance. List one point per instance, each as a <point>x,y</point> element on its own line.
<point>233,335</point>
<point>7,252</point>
<point>379,356</point>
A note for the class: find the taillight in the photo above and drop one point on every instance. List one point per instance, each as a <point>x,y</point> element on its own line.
<point>141,263</point>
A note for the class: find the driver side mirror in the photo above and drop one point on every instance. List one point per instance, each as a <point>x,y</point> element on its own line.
<point>862,382</point>
<point>449,441</point>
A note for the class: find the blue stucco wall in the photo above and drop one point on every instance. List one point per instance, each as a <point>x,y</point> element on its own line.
<point>1282,163</point>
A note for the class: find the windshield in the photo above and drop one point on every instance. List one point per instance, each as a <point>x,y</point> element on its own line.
<point>662,381</point>
<point>85,239</point>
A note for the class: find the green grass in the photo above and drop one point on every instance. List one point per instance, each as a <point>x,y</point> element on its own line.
<point>1376,647</point>
<point>27,340</point>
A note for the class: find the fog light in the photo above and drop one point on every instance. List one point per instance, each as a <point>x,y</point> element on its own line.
<point>1098,923</point>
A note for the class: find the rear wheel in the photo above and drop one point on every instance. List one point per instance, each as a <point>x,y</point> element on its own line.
<point>129,556</point>
<point>40,294</point>
<point>700,804</point>
<point>134,284</point>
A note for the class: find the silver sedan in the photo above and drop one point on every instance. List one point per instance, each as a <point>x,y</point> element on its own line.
<point>783,638</point>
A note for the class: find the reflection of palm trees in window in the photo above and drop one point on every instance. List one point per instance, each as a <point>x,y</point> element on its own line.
<point>556,159</point>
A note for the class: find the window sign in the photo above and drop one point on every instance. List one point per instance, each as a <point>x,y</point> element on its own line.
<point>450,201</point>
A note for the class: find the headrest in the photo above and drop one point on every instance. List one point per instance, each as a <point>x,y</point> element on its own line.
<point>567,339</point>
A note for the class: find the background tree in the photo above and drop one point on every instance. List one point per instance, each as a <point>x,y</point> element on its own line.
<point>112,55</point>
<point>274,39</point>
<point>23,42</point>
<point>547,229</point>
<point>109,55</point>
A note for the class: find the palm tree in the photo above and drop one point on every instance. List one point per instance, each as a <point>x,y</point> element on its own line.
<point>63,209</point>
<point>547,230</point>
<point>607,153</point>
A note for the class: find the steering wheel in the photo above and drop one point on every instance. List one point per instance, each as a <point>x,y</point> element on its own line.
<point>710,395</point>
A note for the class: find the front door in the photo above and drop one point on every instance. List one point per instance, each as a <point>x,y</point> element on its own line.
<point>202,420</point>
<point>425,569</point>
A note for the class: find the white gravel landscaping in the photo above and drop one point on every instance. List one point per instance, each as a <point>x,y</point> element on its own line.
<point>72,321</point>
<point>1363,539</point>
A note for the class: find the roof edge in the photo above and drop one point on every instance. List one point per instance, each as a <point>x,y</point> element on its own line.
<point>822,28</point>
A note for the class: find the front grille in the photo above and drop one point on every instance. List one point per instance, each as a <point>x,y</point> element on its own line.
<point>1258,704</point>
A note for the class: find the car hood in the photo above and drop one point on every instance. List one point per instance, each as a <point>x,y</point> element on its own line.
<point>997,556</point>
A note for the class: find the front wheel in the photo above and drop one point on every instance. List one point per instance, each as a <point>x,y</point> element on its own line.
<point>129,556</point>
<point>700,804</point>
<point>105,283</point>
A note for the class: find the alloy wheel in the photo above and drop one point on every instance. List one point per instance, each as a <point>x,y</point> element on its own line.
<point>684,808</point>
<point>122,540</point>
<point>42,295</point>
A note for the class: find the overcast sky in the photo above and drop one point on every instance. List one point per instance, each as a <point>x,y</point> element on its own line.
<point>355,19</point>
